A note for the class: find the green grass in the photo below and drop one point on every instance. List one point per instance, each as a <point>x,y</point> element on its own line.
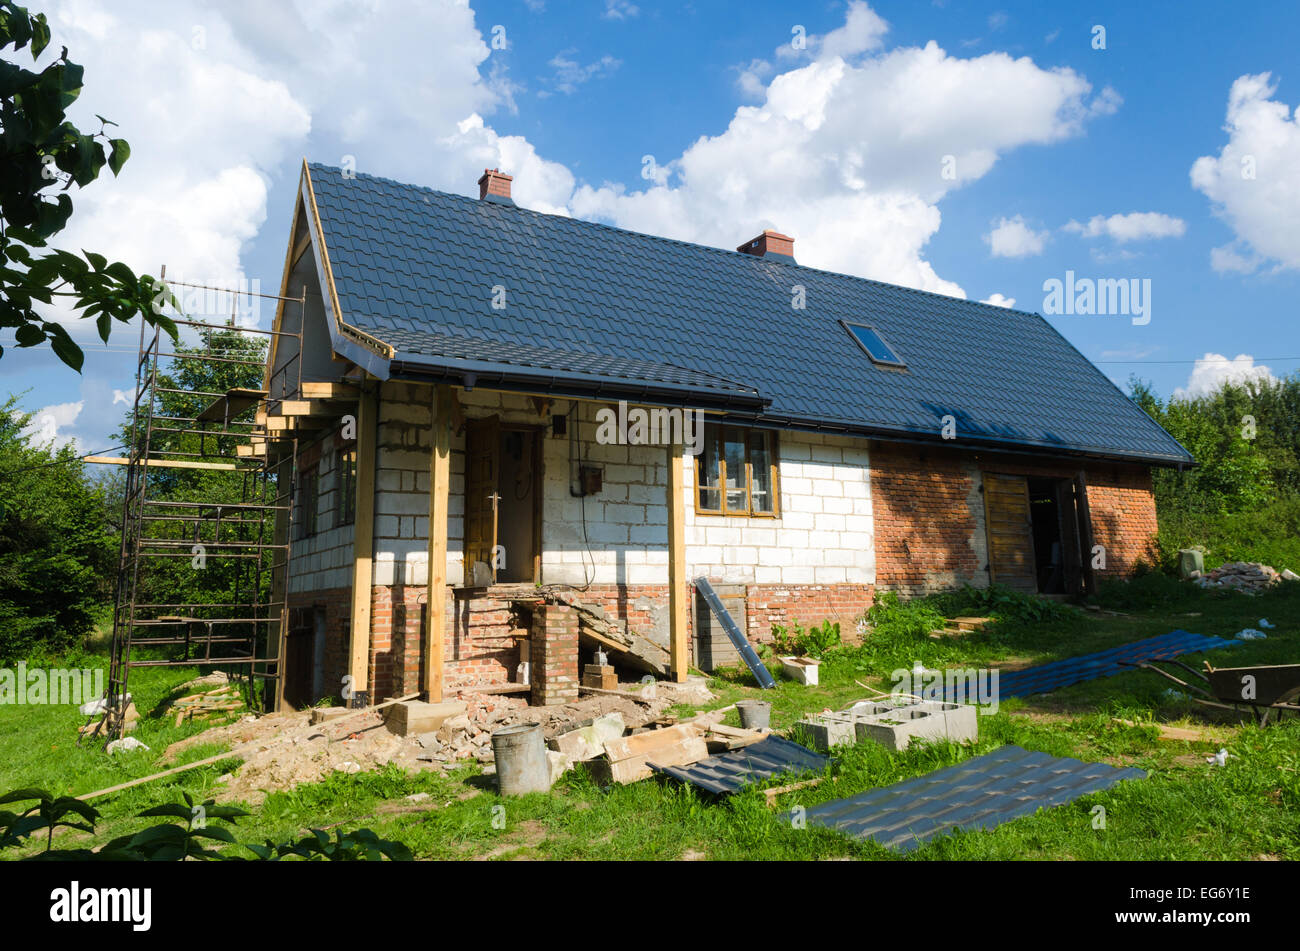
<point>1185,809</point>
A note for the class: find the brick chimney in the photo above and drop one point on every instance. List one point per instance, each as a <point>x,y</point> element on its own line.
<point>495,186</point>
<point>769,243</point>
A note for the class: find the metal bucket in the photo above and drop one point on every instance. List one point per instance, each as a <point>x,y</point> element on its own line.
<point>755,714</point>
<point>522,766</point>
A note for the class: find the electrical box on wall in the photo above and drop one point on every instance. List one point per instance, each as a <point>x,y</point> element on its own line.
<point>590,479</point>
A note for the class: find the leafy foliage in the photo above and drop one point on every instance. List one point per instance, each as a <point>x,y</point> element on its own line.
<point>812,641</point>
<point>1242,502</point>
<point>195,382</point>
<point>56,553</point>
<point>182,838</point>
<point>42,155</point>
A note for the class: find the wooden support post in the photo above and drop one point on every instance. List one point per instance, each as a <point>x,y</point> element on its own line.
<point>677,562</point>
<point>363,549</point>
<point>439,498</point>
<point>1085,530</point>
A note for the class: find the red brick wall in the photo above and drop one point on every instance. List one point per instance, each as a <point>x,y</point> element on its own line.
<point>766,605</point>
<point>929,514</point>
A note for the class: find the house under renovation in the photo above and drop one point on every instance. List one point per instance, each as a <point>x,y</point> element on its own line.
<point>519,437</point>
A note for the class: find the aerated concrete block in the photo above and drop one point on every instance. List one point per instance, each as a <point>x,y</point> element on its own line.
<point>415,716</point>
<point>828,729</point>
<point>897,727</point>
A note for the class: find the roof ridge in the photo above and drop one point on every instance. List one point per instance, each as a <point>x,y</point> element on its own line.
<point>688,244</point>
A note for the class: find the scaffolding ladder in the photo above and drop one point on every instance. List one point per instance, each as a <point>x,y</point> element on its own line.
<point>236,524</point>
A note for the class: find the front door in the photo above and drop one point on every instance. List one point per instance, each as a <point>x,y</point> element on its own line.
<point>482,476</point>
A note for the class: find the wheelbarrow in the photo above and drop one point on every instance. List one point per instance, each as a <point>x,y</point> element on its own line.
<point>1260,689</point>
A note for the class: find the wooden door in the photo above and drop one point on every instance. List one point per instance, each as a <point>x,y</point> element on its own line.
<point>482,475</point>
<point>1010,532</point>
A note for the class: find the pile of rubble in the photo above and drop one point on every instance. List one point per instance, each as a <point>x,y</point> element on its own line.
<point>283,750</point>
<point>1246,576</point>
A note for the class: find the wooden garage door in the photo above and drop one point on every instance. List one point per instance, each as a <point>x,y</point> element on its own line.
<point>1010,535</point>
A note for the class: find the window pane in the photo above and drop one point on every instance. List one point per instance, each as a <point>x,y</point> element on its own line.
<point>760,464</point>
<point>710,498</point>
<point>870,340</point>
<point>733,449</point>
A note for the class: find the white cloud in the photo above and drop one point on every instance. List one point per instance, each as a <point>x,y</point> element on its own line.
<point>997,300</point>
<point>1252,183</point>
<point>850,159</point>
<point>620,10</point>
<point>1214,369</point>
<point>569,74</point>
<point>49,424</point>
<point>1136,226</point>
<point>1013,238</point>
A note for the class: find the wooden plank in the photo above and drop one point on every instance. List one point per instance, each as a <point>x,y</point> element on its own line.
<point>682,753</point>
<point>1086,540</point>
<point>161,463</point>
<point>363,546</point>
<point>677,563</point>
<point>439,500</point>
<point>329,391</point>
<point>641,744</point>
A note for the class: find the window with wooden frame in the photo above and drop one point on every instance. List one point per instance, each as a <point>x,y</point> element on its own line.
<point>347,501</point>
<point>735,472</point>
<point>308,502</point>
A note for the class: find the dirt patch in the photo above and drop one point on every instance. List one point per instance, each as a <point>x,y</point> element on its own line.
<point>525,835</point>
<point>282,750</point>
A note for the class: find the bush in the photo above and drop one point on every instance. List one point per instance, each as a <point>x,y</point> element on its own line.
<point>1269,534</point>
<point>56,553</point>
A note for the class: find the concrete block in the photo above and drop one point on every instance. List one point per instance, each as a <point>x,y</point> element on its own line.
<point>325,714</point>
<point>415,716</point>
<point>589,739</point>
<point>827,730</point>
<point>896,727</point>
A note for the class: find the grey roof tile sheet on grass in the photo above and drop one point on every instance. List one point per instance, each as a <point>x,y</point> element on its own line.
<point>411,262</point>
<point>1115,660</point>
<point>732,771</point>
<point>980,793</point>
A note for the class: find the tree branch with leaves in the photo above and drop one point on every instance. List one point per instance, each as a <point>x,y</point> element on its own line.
<point>42,155</point>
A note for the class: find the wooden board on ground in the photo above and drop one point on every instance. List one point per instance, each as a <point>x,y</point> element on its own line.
<point>627,757</point>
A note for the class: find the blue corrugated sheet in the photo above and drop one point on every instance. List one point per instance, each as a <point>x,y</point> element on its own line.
<point>417,268</point>
<point>1062,673</point>
<point>730,772</point>
<point>978,794</point>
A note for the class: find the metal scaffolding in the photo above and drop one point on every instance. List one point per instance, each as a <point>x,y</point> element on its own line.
<point>235,524</point>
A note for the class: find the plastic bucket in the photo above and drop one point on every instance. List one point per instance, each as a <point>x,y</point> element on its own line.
<point>520,754</point>
<point>754,714</point>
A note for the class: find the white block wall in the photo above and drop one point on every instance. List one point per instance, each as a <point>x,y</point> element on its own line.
<point>824,534</point>
<point>620,536</point>
<point>324,560</point>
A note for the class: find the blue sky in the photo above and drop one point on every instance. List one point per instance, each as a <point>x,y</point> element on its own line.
<point>975,149</point>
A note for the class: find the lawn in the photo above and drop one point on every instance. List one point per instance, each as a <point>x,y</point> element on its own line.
<point>1185,809</point>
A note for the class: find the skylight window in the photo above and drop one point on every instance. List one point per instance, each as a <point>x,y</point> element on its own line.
<point>873,345</point>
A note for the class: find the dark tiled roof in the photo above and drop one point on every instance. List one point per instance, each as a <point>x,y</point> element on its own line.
<point>415,267</point>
